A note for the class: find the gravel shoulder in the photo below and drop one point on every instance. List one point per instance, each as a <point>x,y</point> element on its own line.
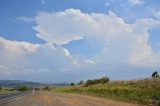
<point>60,99</point>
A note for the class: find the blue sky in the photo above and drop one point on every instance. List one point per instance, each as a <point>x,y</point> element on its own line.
<point>63,41</point>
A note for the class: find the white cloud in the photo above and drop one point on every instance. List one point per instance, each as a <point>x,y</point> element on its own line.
<point>43,1</point>
<point>90,61</point>
<point>121,39</point>
<point>22,58</point>
<point>10,50</point>
<point>72,24</point>
<point>51,25</point>
<point>12,55</point>
<point>156,14</point>
<point>142,53</point>
<point>123,44</point>
<point>26,19</point>
<point>66,52</point>
<point>2,67</point>
<point>135,2</point>
<point>107,4</point>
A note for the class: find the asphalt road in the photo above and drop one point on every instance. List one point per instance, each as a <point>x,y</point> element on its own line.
<point>10,96</point>
<point>60,99</point>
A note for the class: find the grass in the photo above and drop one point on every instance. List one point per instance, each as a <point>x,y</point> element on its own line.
<point>146,91</point>
<point>6,90</point>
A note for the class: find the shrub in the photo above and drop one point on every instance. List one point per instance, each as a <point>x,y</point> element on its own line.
<point>97,81</point>
<point>81,82</point>
<point>47,88</point>
<point>22,88</point>
<point>155,74</point>
<point>104,80</point>
<point>11,89</point>
<point>144,91</point>
<point>72,84</point>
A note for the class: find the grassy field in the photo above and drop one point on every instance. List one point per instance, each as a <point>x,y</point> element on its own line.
<point>146,91</point>
<point>6,90</point>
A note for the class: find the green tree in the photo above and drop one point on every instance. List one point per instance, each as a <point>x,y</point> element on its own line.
<point>104,80</point>
<point>97,81</point>
<point>47,88</point>
<point>81,82</point>
<point>155,74</point>
<point>72,84</point>
<point>23,88</point>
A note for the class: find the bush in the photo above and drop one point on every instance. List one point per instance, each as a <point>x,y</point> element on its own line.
<point>11,89</point>
<point>144,91</point>
<point>104,80</point>
<point>22,88</point>
<point>155,74</point>
<point>72,84</point>
<point>47,88</point>
<point>97,81</point>
<point>81,82</point>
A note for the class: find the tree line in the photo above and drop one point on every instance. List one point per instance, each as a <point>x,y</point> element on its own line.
<point>105,80</point>
<point>93,81</point>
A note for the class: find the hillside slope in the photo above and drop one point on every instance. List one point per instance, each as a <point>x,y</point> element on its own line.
<point>146,91</point>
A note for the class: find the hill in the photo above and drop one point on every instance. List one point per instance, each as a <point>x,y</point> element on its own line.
<point>15,83</point>
<point>145,91</point>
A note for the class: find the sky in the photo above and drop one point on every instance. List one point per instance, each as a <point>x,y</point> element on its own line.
<point>71,40</point>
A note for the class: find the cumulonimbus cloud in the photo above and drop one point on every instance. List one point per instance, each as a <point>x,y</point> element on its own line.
<point>123,43</point>
<point>109,29</point>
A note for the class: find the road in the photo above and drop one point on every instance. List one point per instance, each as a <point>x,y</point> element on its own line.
<point>6,96</point>
<point>58,99</point>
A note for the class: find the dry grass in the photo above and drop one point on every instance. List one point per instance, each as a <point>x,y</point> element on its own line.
<point>145,91</point>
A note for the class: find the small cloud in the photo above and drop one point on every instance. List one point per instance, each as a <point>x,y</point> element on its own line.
<point>66,52</point>
<point>156,14</point>
<point>64,69</point>
<point>90,61</point>
<point>135,2</point>
<point>43,1</point>
<point>107,4</point>
<point>26,19</point>
<point>44,70</point>
<point>3,67</point>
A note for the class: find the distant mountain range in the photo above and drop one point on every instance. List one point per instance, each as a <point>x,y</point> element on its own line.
<point>15,83</point>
